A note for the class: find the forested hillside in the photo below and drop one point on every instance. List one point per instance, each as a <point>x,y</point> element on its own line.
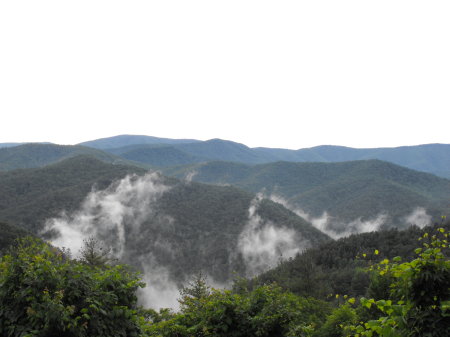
<point>28,197</point>
<point>339,267</point>
<point>346,192</point>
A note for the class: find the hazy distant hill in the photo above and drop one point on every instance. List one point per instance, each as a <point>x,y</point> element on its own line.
<point>38,155</point>
<point>164,155</point>
<point>431,158</point>
<point>126,140</point>
<point>185,227</point>
<point>9,144</point>
<point>158,155</point>
<point>346,191</point>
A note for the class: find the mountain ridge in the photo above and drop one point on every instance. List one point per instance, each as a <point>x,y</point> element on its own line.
<point>432,158</point>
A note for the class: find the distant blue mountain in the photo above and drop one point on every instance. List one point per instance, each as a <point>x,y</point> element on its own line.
<point>9,144</point>
<point>126,140</point>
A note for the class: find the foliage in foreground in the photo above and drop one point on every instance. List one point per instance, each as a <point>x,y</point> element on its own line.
<point>265,311</point>
<point>42,293</point>
<point>419,301</point>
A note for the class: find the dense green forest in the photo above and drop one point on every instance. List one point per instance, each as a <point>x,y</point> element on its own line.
<point>30,196</point>
<point>8,235</point>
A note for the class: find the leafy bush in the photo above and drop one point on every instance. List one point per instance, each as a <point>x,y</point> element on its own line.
<point>419,303</point>
<point>45,294</point>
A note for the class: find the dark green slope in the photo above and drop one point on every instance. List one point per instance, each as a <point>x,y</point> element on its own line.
<point>347,190</point>
<point>38,155</point>
<point>8,234</point>
<point>29,196</point>
<point>207,222</point>
<point>126,140</point>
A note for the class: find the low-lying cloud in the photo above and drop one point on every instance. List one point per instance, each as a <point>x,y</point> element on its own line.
<point>418,217</point>
<point>263,244</point>
<point>335,229</point>
<point>109,215</point>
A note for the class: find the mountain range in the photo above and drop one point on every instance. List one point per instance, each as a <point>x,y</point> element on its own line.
<point>164,152</point>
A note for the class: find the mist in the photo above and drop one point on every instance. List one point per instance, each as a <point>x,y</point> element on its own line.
<point>263,244</point>
<point>108,214</point>
<point>418,217</point>
<point>335,229</point>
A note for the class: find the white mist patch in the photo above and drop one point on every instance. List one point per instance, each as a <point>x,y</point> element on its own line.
<point>190,175</point>
<point>335,230</point>
<point>418,217</point>
<point>262,243</point>
<point>108,214</point>
<point>160,290</point>
<point>358,226</point>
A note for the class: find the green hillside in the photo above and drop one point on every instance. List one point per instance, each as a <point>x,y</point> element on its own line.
<point>346,191</point>
<point>29,196</point>
<point>38,155</point>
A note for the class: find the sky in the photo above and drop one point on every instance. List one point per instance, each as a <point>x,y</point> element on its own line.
<point>290,74</point>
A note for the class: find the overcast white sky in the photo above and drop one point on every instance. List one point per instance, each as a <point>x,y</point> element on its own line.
<point>287,74</point>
